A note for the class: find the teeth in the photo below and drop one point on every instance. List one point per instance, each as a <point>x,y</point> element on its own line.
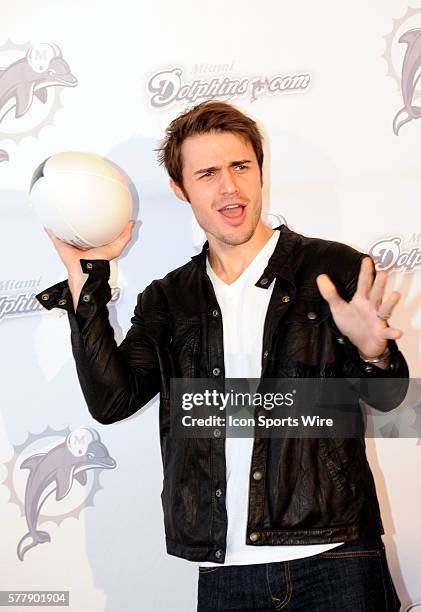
<point>231,206</point>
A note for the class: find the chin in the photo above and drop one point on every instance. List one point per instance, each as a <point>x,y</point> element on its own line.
<point>235,237</point>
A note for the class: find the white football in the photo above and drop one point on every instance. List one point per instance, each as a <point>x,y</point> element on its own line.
<point>82,197</point>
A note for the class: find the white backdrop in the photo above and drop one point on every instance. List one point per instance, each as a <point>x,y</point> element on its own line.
<point>325,82</point>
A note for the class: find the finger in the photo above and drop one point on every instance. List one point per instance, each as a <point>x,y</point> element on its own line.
<point>124,238</point>
<point>365,277</point>
<point>388,305</point>
<point>131,227</point>
<point>391,333</point>
<point>328,291</point>
<point>377,290</point>
<point>129,230</point>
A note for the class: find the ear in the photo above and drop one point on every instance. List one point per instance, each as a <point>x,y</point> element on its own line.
<point>177,190</point>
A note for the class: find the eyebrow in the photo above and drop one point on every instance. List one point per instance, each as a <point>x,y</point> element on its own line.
<point>234,163</point>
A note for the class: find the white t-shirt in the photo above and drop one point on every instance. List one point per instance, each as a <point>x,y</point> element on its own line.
<point>243,308</point>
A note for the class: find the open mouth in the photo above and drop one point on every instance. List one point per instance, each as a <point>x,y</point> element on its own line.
<point>232,211</point>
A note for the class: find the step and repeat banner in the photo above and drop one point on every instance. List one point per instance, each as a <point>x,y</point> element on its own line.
<point>335,89</point>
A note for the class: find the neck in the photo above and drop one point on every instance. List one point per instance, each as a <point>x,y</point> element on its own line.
<point>229,261</point>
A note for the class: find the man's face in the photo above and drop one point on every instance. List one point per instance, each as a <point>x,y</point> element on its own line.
<point>220,170</point>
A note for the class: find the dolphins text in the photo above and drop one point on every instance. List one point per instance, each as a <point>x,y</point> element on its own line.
<point>167,86</point>
<point>388,255</point>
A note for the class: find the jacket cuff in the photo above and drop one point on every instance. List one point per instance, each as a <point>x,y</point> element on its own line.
<point>96,267</point>
<point>59,295</point>
<point>355,367</point>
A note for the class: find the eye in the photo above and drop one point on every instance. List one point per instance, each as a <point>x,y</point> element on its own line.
<point>206,174</point>
<point>241,166</point>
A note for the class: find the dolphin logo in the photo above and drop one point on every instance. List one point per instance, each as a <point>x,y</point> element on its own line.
<point>56,471</point>
<point>410,77</point>
<point>29,77</point>
<point>256,87</point>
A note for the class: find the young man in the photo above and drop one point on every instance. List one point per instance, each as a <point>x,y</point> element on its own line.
<point>290,523</point>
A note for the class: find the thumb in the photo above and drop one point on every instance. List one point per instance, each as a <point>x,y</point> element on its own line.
<point>328,290</point>
<point>125,236</point>
<point>128,231</point>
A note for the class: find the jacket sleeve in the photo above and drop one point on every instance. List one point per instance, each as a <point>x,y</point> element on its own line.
<point>116,381</point>
<point>380,388</point>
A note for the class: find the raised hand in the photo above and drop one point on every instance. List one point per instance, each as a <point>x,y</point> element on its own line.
<point>364,319</point>
<point>70,255</point>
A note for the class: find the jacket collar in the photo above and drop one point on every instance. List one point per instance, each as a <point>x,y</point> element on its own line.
<point>280,263</point>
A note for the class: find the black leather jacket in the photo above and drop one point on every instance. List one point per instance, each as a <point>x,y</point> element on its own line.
<point>302,491</point>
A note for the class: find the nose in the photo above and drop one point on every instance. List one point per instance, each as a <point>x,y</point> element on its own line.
<point>228,185</point>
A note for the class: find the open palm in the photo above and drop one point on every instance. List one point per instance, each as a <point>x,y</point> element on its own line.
<point>363,319</point>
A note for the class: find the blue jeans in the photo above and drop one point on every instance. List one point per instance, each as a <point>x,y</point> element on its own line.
<point>353,577</point>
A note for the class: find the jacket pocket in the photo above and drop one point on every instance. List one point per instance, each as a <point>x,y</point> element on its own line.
<point>302,334</point>
<point>310,309</point>
<point>342,459</point>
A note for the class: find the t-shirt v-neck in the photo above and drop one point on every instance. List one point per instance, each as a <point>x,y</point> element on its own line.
<point>243,309</point>
<point>254,266</point>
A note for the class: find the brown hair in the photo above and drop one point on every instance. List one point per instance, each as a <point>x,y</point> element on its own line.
<point>208,116</point>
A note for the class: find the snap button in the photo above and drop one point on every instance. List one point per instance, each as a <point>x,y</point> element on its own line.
<point>312,315</point>
<point>62,302</point>
<point>218,554</point>
<point>257,475</point>
<point>368,368</point>
<point>86,297</point>
<point>216,371</point>
<point>89,265</point>
<point>285,298</point>
<point>264,281</point>
<point>45,296</point>
<point>218,492</point>
<point>265,354</point>
<point>254,536</point>
<point>340,340</point>
<point>217,433</point>
<point>215,313</point>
